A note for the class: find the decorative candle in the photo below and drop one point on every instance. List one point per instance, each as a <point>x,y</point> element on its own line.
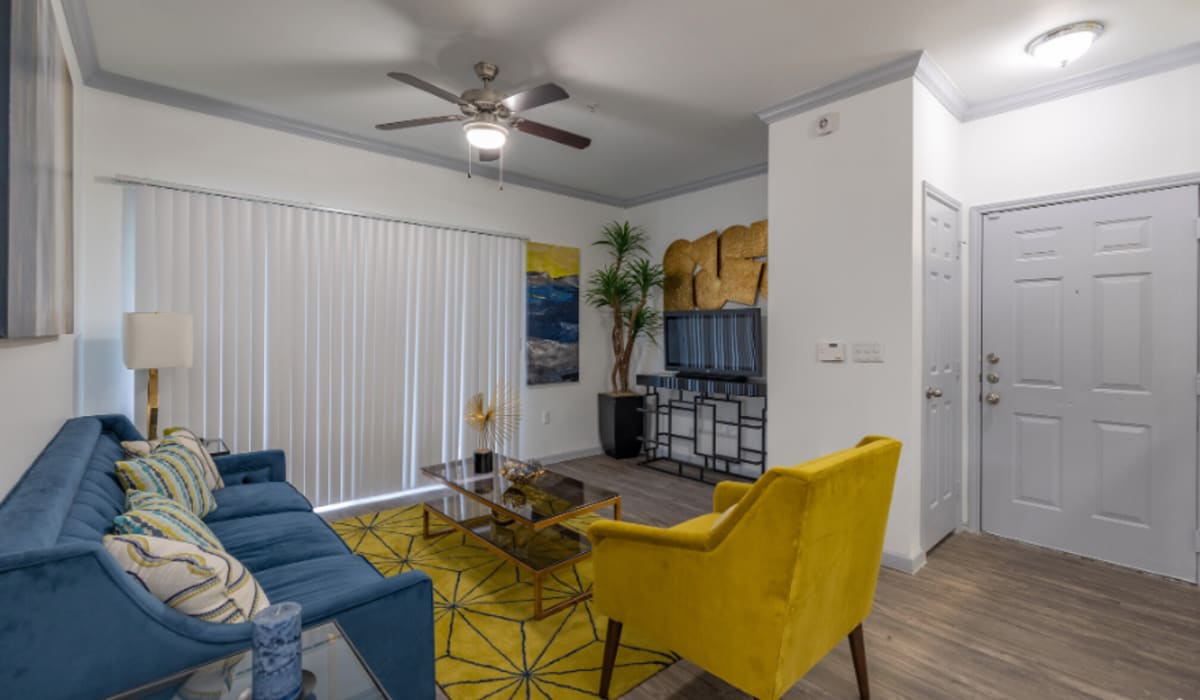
<point>277,671</point>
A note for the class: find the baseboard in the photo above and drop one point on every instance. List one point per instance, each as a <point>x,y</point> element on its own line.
<point>571,454</point>
<point>900,562</point>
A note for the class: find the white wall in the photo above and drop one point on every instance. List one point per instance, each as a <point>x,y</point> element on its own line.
<point>132,137</point>
<point>842,250</point>
<point>38,377</point>
<point>1138,130</point>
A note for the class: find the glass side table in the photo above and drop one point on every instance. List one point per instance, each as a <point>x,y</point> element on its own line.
<point>216,446</point>
<point>328,654</point>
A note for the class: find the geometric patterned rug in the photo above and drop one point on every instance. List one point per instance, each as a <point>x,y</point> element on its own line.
<point>486,644</point>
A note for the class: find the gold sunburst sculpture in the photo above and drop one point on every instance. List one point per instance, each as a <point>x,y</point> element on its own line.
<point>495,422</point>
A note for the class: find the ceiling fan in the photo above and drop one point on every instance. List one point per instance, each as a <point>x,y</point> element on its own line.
<point>488,114</point>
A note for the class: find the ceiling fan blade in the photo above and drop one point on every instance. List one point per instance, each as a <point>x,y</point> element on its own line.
<point>416,82</point>
<point>554,134</point>
<point>535,97</point>
<point>392,126</point>
<point>486,156</point>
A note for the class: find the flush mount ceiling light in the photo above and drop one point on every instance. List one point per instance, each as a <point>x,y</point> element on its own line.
<point>1060,46</point>
<point>486,135</point>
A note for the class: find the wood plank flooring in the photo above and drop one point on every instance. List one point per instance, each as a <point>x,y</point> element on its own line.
<point>985,618</point>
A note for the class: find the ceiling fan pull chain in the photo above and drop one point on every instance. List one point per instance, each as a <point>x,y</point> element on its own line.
<point>468,160</point>
<point>501,169</point>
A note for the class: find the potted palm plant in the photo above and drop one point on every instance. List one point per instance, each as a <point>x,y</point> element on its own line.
<point>625,288</point>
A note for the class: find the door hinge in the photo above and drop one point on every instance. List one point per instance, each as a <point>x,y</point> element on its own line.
<point>1198,228</point>
<point>1198,385</point>
<point>1196,541</point>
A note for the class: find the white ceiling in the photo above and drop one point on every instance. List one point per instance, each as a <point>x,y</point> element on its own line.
<point>676,82</point>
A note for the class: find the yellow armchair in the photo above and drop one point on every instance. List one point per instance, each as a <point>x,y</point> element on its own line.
<point>757,595</point>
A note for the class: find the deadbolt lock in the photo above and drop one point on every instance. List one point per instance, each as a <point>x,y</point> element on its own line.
<point>993,358</point>
<point>993,378</point>
<point>992,398</point>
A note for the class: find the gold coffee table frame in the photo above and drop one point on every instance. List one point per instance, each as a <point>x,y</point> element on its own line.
<point>465,527</point>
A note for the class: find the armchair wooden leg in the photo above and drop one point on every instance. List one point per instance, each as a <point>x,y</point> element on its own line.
<point>859,651</point>
<point>612,640</point>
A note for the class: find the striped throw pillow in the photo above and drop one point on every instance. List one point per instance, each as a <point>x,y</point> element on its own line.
<point>206,584</point>
<point>172,471</point>
<point>185,437</point>
<point>155,515</point>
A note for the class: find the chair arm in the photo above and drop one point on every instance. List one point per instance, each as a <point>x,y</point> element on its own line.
<point>729,493</point>
<point>252,467</point>
<point>615,530</point>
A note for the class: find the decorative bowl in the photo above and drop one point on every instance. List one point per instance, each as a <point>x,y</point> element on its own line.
<point>521,473</point>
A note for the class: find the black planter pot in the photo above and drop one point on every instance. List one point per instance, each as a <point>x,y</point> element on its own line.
<point>621,422</point>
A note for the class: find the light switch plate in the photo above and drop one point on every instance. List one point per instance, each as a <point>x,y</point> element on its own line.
<point>831,351</point>
<point>867,351</point>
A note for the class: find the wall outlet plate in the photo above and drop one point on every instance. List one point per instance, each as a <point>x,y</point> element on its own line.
<point>831,351</point>
<point>867,351</point>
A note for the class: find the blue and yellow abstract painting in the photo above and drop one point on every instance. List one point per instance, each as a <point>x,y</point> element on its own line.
<point>552,313</point>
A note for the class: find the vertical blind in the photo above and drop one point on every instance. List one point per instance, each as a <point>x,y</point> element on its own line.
<point>349,341</point>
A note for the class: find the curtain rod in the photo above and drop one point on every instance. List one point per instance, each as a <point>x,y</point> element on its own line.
<point>130,180</point>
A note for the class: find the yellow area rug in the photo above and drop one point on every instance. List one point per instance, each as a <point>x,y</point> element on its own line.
<point>486,644</point>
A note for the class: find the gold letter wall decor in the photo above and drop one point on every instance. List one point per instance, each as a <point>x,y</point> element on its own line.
<point>729,265</point>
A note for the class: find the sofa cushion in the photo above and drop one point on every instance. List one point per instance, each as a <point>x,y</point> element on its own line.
<point>173,471</point>
<point>198,582</point>
<point>248,500</point>
<point>265,541</point>
<point>315,581</point>
<point>155,515</point>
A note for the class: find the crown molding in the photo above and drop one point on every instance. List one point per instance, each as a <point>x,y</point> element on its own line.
<point>79,27</point>
<point>923,68</point>
<point>1140,68</point>
<point>943,89</point>
<point>878,76</point>
<point>697,185</point>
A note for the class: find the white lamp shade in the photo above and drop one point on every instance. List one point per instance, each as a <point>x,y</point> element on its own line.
<point>157,340</point>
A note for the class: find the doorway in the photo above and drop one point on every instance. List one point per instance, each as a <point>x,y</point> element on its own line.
<point>1087,348</point>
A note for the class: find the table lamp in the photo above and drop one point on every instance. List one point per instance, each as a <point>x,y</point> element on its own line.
<point>157,340</point>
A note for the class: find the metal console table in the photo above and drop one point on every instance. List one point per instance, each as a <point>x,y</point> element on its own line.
<point>665,397</point>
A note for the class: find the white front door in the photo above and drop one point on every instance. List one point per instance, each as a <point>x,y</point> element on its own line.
<point>941,451</point>
<point>1090,378</point>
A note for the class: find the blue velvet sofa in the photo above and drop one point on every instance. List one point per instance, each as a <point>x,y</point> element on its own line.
<point>73,624</point>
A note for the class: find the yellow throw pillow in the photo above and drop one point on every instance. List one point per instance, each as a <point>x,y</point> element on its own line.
<point>206,584</point>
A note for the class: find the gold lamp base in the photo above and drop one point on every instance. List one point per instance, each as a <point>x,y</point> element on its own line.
<point>152,405</point>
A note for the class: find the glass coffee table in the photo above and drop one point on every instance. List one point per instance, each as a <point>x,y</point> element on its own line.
<point>525,524</point>
<point>337,672</point>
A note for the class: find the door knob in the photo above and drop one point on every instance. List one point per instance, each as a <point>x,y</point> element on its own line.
<point>992,398</point>
<point>932,393</point>
<point>993,358</point>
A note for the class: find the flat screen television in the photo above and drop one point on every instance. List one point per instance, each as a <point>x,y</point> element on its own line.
<point>726,343</point>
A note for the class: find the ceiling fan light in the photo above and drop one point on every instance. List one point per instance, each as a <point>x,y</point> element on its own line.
<point>486,136</point>
<point>1060,46</point>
